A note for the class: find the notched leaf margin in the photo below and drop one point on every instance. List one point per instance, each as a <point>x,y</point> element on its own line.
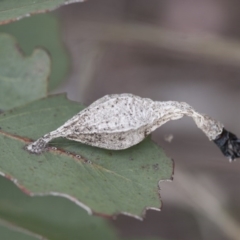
<point>24,56</point>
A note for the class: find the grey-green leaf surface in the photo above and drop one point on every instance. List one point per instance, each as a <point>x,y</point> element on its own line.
<point>53,218</point>
<point>10,234</point>
<point>42,30</point>
<point>101,181</point>
<point>22,78</point>
<point>11,10</point>
<point>49,217</point>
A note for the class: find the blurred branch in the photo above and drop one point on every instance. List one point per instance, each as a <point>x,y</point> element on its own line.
<point>208,203</point>
<point>91,55</point>
<point>208,47</point>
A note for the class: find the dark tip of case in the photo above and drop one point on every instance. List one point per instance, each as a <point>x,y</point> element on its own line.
<point>229,144</point>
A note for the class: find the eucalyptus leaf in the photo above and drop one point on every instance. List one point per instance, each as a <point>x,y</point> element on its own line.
<point>12,10</point>
<point>42,30</point>
<point>50,217</point>
<point>22,79</point>
<point>101,181</point>
<point>7,233</point>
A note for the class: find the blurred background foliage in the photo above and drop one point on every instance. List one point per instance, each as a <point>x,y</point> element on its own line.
<point>114,47</point>
<point>42,31</point>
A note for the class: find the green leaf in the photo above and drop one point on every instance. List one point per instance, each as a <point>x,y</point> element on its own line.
<point>50,217</point>
<point>22,79</point>
<point>102,181</point>
<point>26,218</point>
<point>47,217</point>
<point>31,33</point>
<point>8,233</point>
<point>12,10</point>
